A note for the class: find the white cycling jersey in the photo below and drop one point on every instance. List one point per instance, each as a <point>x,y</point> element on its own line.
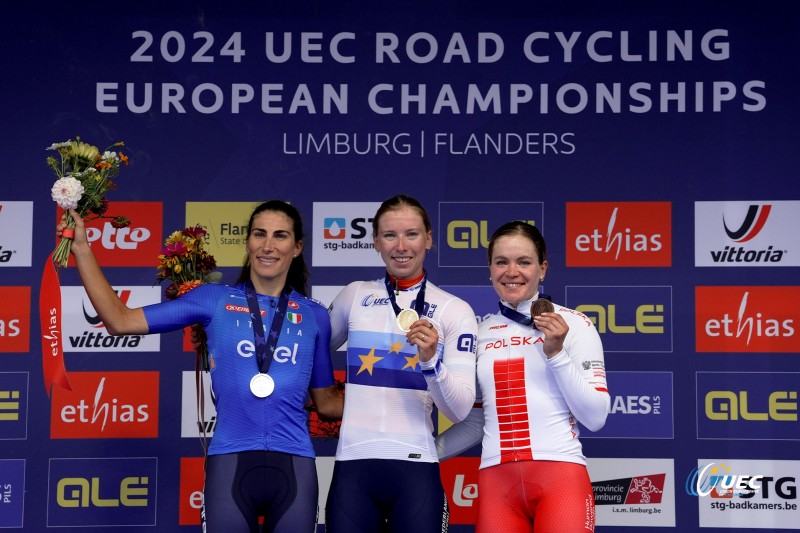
<point>389,393</point>
<point>530,403</point>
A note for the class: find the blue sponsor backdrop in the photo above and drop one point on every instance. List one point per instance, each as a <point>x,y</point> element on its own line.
<point>475,108</point>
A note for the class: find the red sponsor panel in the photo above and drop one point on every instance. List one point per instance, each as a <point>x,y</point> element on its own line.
<point>191,491</point>
<point>138,245</point>
<point>619,234</point>
<point>747,319</point>
<point>15,319</point>
<point>106,405</point>
<point>460,481</point>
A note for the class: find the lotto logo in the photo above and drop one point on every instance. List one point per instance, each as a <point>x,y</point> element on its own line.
<point>136,245</point>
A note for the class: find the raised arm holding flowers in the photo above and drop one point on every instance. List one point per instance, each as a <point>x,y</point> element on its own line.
<point>84,176</point>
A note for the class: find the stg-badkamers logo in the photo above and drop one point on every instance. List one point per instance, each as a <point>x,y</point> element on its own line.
<point>747,234</point>
<point>342,234</point>
<point>745,493</point>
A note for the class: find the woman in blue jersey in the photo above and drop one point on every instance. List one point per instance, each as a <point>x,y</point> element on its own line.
<point>264,359</point>
<point>409,345</point>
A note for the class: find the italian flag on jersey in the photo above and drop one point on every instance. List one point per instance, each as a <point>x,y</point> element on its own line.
<point>294,318</point>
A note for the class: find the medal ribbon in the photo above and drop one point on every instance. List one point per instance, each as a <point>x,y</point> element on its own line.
<point>418,304</point>
<point>516,316</point>
<point>264,351</point>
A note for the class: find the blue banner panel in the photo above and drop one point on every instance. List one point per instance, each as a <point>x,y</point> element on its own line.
<point>641,407</point>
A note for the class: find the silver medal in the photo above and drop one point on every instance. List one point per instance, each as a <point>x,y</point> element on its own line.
<point>262,385</point>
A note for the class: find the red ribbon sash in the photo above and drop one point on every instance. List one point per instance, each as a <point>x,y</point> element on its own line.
<point>53,367</point>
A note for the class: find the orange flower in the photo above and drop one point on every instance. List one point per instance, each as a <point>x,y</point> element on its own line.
<point>186,286</point>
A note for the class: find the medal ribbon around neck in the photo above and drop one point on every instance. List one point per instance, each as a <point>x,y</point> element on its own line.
<point>418,304</point>
<point>264,351</point>
<point>516,316</point>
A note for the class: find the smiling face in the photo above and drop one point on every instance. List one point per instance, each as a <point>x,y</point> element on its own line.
<point>271,246</point>
<point>515,268</point>
<point>402,240</point>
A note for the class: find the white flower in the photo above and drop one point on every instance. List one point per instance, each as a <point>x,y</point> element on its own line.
<point>67,192</point>
<point>56,146</point>
<point>109,156</point>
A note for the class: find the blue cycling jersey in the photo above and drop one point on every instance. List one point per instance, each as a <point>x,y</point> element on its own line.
<point>301,361</point>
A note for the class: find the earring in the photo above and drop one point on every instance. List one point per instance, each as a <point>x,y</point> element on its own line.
<point>541,279</point>
<point>490,279</point>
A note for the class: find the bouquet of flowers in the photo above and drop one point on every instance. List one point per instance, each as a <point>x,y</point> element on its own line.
<point>186,263</point>
<point>84,176</point>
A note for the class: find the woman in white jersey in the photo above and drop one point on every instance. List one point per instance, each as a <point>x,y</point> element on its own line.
<point>536,378</point>
<point>409,345</point>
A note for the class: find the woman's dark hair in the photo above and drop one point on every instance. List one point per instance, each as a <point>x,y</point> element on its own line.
<point>398,202</point>
<point>298,271</point>
<point>517,227</point>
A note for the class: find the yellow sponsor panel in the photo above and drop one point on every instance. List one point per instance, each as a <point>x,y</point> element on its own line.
<point>226,223</point>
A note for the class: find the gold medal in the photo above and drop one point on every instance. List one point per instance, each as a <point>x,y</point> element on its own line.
<point>406,318</point>
<point>262,385</point>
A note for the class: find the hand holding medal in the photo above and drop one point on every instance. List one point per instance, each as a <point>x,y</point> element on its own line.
<point>422,334</point>
<point>551,324</point>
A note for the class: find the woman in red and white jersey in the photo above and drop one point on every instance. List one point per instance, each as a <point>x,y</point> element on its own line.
<point>537,377</point>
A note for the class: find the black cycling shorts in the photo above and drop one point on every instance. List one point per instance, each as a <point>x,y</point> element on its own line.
<point>386,495</point>
<point>241,487</point>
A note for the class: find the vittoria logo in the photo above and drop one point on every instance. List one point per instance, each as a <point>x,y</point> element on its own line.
<point>752,224</point>
<point>747,234</point>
